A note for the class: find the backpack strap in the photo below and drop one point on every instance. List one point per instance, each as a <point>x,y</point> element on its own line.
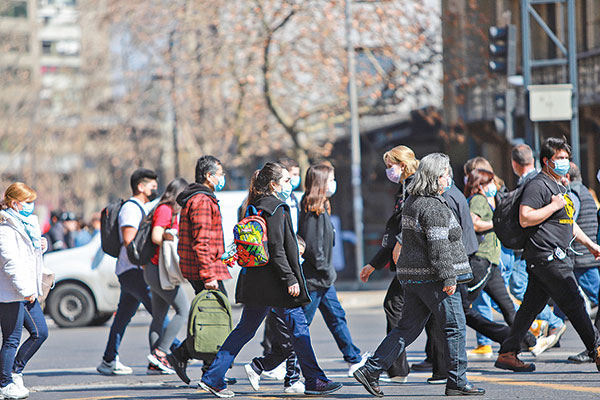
<point>251,210</point>
<point>142,209</point>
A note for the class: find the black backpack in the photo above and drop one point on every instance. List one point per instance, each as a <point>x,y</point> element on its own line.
<point>506,219</point>
<point>141,249</point>
<point>109,227</point>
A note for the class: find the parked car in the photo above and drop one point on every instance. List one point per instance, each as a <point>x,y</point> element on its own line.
<point>86,290</point>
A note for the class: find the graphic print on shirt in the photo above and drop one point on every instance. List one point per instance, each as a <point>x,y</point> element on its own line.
<point>569,209</point>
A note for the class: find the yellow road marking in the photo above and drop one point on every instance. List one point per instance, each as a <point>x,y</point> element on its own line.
<point>515,382</point>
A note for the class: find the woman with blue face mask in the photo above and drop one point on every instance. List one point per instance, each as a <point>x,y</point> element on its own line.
<point>480,192</point>
<point>21,248</point>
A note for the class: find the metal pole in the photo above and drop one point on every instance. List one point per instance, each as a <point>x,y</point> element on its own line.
<point>526,47</point>
<point>172,96</point>
<point>357,201</point>
<point>573,78</point>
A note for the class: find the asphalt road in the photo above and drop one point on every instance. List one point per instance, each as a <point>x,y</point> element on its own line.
<point>65,367</point>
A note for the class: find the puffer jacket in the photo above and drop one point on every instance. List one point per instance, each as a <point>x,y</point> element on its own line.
<point>20,262</point>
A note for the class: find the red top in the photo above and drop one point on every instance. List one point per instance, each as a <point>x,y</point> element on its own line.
<point>162,217</point>
<point>201,240</point>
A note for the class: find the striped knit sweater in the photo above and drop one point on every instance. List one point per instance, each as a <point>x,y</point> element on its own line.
<point>432,247</point>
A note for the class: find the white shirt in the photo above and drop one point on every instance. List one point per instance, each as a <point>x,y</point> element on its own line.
<point>130,215</point>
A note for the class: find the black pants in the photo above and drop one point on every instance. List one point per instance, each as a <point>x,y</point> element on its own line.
<point>182,352</point>
<point>551,279</point>
<point>436,348</point>
<point>393,305</point>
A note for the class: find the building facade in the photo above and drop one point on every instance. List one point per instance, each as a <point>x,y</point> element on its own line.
<point>470,89</point>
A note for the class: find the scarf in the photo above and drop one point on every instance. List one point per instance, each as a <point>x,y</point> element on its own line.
<point>31,226</point>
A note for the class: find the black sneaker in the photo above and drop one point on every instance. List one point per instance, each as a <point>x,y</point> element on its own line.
<point>179,367</point>
<point>322,387</point>
<point>468,390</point>
<point>370,382</point>
<point>424,366</point>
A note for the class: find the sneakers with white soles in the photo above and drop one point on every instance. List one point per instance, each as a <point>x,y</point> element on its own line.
<point>12,391</point>
<point>353,367</point>
<point>113,368</point>
<point>276,374</point>
<point>18,380</point>
<point>253,377</point>
<point>224,393</point>
<point>297,387</point>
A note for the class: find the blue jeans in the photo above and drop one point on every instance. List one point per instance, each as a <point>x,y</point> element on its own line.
<point>517,285</point>
<point>35,323</point>
<point>11,322</point>
<point>327,302</point>
<point>589,281</point>
<point>134,291</point>
<point>252,317</point>
<point>483,305</point>
<point>421,301</point>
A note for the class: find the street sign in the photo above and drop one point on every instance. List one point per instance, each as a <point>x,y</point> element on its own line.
<point>550,102</point>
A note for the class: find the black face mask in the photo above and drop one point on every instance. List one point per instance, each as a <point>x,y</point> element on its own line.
<point>153,194</point>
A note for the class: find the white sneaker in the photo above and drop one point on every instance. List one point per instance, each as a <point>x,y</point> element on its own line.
<point>297,387</point>
<point>18,380</point>
<point>253,377</point>
<point>353,367</point>
<point>113,368</point>
<point>276,374</point>
<point>12,391</point>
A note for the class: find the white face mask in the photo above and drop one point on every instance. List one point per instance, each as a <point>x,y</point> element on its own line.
<point>331,188</point>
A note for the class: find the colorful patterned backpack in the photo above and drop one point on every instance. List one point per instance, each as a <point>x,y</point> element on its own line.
<point>249,247</point>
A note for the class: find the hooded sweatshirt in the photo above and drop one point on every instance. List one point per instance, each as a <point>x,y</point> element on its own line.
<point>201,235</point>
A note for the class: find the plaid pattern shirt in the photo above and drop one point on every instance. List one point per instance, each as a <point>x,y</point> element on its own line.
<point>201,240</point>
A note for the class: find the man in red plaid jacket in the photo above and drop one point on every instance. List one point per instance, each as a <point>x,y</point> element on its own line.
<point>200,241</point>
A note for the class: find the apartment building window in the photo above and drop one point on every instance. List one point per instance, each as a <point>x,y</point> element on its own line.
<point>13,9</point>
<point>15,76</point>
<point>14,42</point>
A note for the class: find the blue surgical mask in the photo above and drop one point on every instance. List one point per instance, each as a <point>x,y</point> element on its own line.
<point>447,187</point>
<point>561,167</point>
<point>491,191</point>
<point>295,181</point>
<point>220,184</point>
<point>331,188</point>
<point>27,209</point>
<point>286,190</point>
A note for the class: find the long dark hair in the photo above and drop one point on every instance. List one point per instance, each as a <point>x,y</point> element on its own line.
<point>169,197</point>
<point>260,184</point>
<point>477,178</point>
<point>315,198</point>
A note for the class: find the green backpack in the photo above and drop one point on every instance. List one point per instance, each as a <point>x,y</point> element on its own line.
<point>209,324</point>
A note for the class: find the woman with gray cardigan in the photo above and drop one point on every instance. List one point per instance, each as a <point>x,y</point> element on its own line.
<point>432,261</point>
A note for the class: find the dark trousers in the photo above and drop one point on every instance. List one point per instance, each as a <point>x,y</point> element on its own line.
<point>436,348</point>
<point>35,323</point>
<point>11,323</point>
<point>551,279</point>
<point>181,351</point>
<point>252,317</point>
<point>280,350</point>
<point>134,291</point>
<point>393,305</point>
<point>420,302</point>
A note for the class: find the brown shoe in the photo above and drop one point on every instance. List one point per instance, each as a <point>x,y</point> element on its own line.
<point>597,357</point>
<point>511,361</point>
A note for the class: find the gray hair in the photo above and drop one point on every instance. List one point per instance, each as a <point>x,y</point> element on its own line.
<point>426,179</point>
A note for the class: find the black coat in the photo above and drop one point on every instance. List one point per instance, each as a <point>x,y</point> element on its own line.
<point>317,231</point>
<point>268,285</point>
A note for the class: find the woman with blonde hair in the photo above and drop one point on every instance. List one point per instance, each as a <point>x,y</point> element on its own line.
<point>401,165</point>
<point>21,248</point>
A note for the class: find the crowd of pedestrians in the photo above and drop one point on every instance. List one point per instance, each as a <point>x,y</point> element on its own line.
<point>450,270</point>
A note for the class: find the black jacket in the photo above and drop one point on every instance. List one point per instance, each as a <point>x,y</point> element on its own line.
<point>588,222</point>
<point>317,231</point>
<point>268,285</point>
<point>459,206</point>
<point>392,228</point>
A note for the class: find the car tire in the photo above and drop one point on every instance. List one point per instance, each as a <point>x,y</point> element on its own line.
<point>71,305</point>
<point>101,319</point>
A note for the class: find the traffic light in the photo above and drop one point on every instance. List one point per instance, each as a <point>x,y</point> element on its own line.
<point>503,50</point>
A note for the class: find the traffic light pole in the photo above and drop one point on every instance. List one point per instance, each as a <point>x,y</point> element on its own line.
<point>570,58</point>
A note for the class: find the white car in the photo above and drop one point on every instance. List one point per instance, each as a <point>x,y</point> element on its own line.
<point>86,290</point>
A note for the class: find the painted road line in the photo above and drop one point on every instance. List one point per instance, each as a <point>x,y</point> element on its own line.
<point>516,382</point>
